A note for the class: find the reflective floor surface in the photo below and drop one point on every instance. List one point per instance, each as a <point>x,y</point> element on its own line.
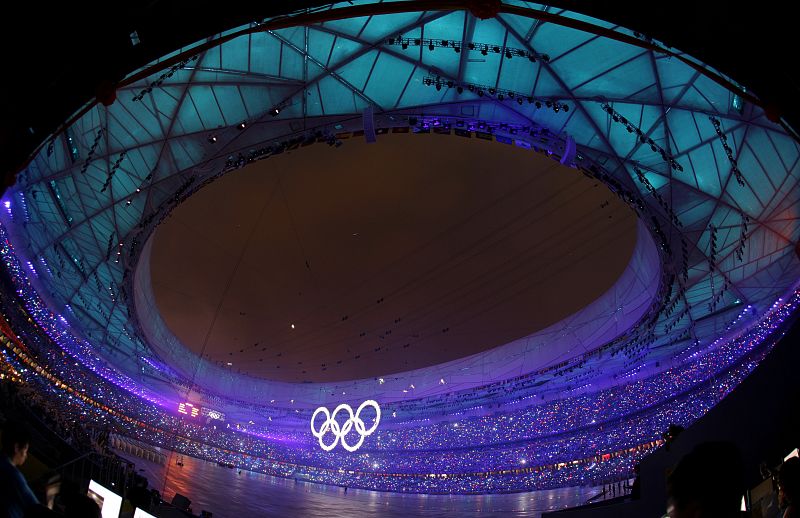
<point>228,494</point>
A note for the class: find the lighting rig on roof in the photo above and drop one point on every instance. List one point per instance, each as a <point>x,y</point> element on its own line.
<point>644,139</point>
<point>109,246</point>
<point>739,251</point>
<point>163,77</point>
<point>458,46</point>
<point>113,170</point>
<point>276,148</point>
<point>88,160</point>
<point>138,189</point>
<point>276,110</point>
<point>712,267</point>
<point>480,126</point>
<point>657,196</point>
<point>501,94</point>
<point>728,151</point>
<point>712,254</point>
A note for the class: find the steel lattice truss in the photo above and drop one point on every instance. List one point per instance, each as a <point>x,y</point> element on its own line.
<point>82,211</point>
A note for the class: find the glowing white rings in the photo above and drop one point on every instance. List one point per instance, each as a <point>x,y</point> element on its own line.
<point>340,432</point>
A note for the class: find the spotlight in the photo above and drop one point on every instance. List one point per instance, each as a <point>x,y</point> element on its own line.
<point>519,100</point>
<point>565,107</point>
<point>212,139</point>
<point>449,84</point>
<point>471,88</point>
<point>491,91</point>
<point>538,104</point>
<point>438,86</point>
<point>500,97</point>
<point>242,125</point>
<point>457,48</point>
<point>404,45</point>
<point>549,104</point>
<point>431,47</point>
<point>532,58</point>
<point>480,93</point>
<point>485,51</point>
<point>510,95</point>
<point>459,89</point>
<point>471,46</point>
<point>496,49</point>
<point>508,54</point>
<point>556,108</point>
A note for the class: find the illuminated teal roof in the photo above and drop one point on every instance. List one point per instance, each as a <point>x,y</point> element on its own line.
<point>83,209</point>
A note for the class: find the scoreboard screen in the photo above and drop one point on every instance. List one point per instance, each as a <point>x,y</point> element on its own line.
<point>193,410</point>
<point>188,409</point>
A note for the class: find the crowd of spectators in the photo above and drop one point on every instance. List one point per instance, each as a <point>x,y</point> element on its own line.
<point>589,438</point>
<point>585,455</point>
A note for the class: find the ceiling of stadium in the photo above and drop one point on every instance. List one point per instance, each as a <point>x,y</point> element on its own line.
<point>329,264</point>
<point>713,178</point>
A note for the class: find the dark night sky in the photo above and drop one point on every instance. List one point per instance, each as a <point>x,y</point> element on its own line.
<point>489,241</point>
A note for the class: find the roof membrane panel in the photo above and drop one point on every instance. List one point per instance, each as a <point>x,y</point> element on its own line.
<point>384,26</point>
<point>263,50</point>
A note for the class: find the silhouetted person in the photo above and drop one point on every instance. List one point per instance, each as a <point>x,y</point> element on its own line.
<point>636,487</point>
<point>671,434</point>
<point>789,488</point>
<point>40,511</point>
<point>139,495</point>
<point>765,470</point>
<point>82,507</point>
<point>15,495</point>
<point>69,491</point>
<point>707,483</point>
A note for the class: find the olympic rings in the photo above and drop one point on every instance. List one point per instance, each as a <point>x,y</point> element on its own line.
<point>339,432</point>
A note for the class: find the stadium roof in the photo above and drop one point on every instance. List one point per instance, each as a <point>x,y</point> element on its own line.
<point>713,179</point>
